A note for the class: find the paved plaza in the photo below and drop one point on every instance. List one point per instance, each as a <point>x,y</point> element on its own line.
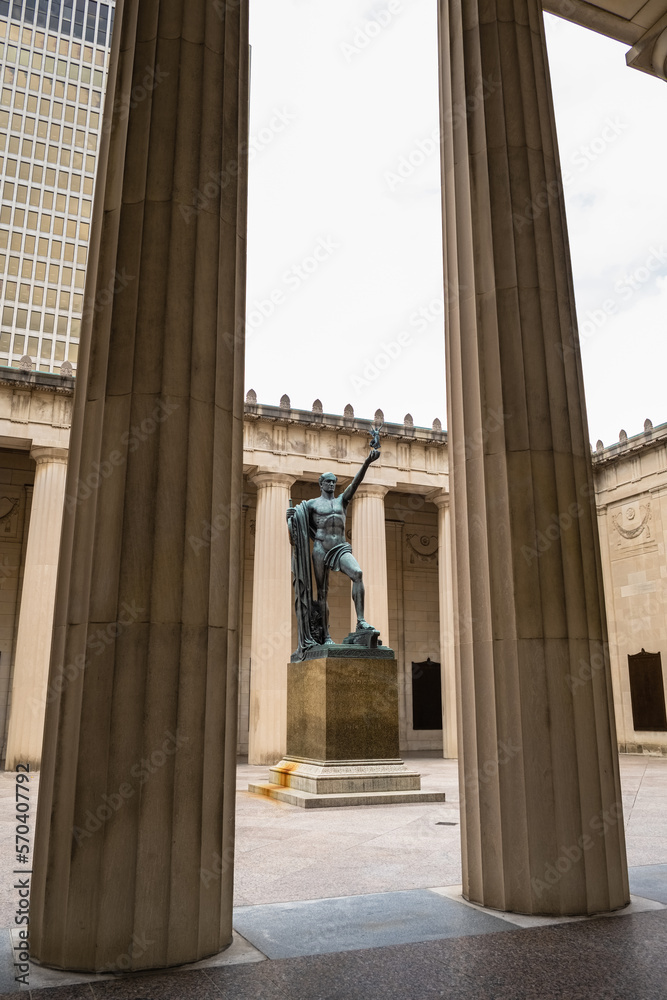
<point>365,902</point>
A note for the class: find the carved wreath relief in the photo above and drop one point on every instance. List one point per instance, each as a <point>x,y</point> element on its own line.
<point>631,523</point>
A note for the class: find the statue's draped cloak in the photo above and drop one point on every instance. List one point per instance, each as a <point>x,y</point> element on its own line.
<point>303,581</point>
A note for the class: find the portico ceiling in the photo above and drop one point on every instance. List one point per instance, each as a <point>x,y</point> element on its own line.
<point>641,24</point>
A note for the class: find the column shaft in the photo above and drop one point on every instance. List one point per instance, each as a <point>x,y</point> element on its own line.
<point>623,713</point>
<point>542,827</point>
<point>134,840</point>
<point>369,543</point>
<point>33,641</point>
<point>447,634</point>
<point>271,642</point>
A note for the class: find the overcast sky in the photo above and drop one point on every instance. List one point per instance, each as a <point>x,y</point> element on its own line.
<point>344,239</point>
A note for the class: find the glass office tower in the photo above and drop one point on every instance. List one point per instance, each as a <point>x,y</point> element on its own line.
<point>53,64</point>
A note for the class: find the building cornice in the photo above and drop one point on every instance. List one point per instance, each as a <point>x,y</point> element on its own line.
<point>334,421</point>
<point>63,385</point>
<point>626,447</point>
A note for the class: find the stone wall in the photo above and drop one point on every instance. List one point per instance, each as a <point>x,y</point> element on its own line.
<point>631,494</point>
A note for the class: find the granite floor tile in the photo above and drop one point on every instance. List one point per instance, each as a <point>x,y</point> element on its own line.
<point>592,960</point>
<point>178,985</point>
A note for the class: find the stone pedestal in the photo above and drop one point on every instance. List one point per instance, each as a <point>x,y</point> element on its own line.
<point>342,736</point>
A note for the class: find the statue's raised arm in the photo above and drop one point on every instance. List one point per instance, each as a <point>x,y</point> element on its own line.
<point>372,456</point>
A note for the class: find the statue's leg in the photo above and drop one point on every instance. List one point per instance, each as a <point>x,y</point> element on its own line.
<point>321,581</point>
<point>351,568</point>
<point>324,606</point>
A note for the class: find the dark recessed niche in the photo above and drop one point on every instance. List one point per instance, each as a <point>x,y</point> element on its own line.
<point>647,692</point>
<point>426,695</point>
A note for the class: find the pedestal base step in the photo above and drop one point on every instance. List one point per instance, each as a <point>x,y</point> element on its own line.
<point>333,777</point>
<point>311,800</point>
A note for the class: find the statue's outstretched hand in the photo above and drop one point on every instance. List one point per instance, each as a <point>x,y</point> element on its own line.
<point>374,455</point>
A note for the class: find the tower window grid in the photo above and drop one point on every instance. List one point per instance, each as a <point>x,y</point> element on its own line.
<point>51,96</point>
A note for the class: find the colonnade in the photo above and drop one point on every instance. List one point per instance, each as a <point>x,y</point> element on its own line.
<point>168,351</point>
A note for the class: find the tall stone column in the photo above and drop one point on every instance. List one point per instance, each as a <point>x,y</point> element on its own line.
<point>33,642</point>
<point>622,707</point>
<point>135,826</point>
<point>271,641</point>
<point>447,634</point>
<point>369,543</point>
<point>542,826</point>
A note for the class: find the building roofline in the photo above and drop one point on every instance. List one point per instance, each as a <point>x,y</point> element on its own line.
<point>337,421</point>
<point>652,437</point>
<point>43,381</point>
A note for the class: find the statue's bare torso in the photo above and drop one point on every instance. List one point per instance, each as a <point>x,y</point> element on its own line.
<point>327,517</point>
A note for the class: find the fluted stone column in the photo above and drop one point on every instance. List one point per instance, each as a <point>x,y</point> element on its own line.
<point>447,636</point>
<point>369,544</point>
<point>272,610</point>
<point>623,713</point>
<point>542,827</point>
<point>33,642</point>
<point>135,827</point>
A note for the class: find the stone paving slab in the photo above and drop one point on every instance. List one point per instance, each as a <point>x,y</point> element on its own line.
<point>319,926</point>
<point>650,881</point>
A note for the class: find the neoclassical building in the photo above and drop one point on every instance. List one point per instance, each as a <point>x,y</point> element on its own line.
<point>157,426</point>
<point>400,531</point>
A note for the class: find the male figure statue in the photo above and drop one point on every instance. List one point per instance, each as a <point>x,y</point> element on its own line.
<point>323,520</point>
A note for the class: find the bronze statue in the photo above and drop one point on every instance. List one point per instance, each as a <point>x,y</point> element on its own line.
<point>323,520</point>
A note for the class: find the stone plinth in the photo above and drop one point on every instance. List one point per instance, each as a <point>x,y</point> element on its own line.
<point>342,736</point>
